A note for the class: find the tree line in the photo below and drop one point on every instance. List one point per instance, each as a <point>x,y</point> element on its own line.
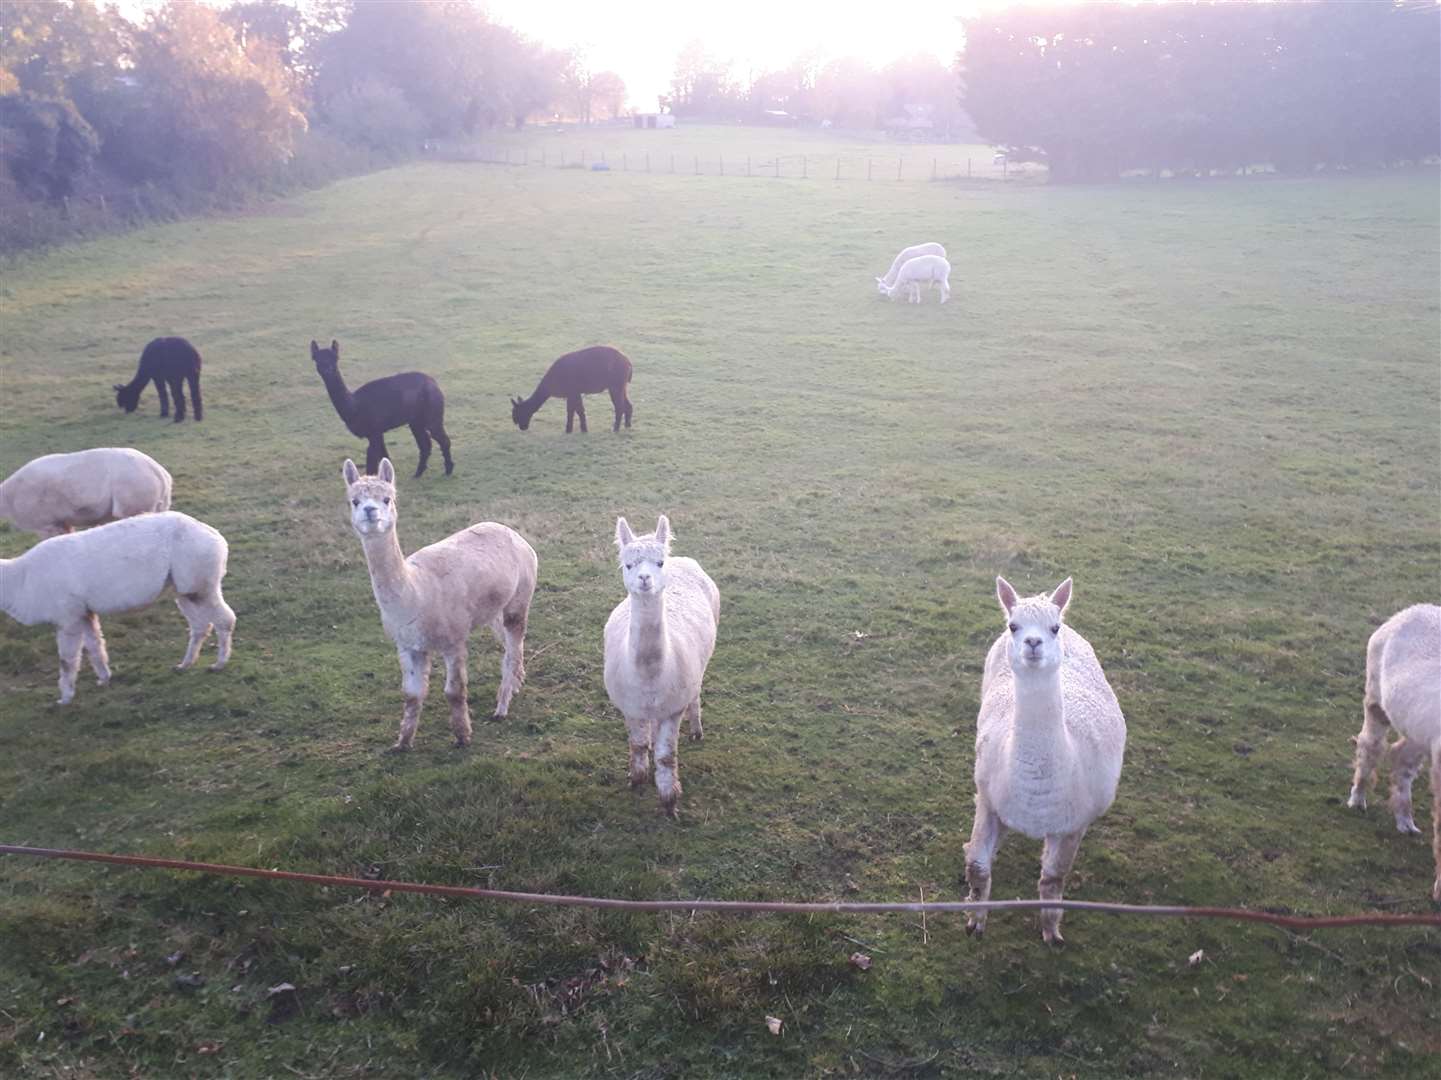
<point>1095,90</point>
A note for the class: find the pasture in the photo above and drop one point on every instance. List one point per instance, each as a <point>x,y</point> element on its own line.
<point>1216,405</point>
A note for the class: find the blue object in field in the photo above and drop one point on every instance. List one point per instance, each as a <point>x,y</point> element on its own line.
<point>600,166</point>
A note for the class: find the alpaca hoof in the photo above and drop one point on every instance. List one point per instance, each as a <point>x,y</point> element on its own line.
<point>450,468</point>
<point>637,779</point>
<point>696,736</point>
<point>1408,826</point>
<point>462,741</point>
<point>1053,938</point>
<point>1357,801</point>
<point>399,748</point>
<point>496,718</point>
<point>184,665</point>
<point>219,665</point>
<point>975,929</point>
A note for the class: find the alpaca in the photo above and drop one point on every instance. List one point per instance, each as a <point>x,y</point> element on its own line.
<point>73,579</point>
<point>431,601</point>
<point>1403,691</point>
<point>658,641</point>
<point>166,360</point>
<point>912,252</point>
<point>55,493</point>
<point>923,270</point>
<point>1049,742</point>
<point>585,371</point>
<point>412,398</point>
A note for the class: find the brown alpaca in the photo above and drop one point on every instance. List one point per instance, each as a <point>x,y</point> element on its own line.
<point>585,371</point>
<point>412,398</point>
<point>165,361</point>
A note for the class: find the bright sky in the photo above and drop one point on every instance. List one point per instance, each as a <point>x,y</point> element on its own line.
<point>640,39</point>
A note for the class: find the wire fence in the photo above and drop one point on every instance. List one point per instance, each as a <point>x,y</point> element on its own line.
<point>735,907</point>
<point>863,166</point>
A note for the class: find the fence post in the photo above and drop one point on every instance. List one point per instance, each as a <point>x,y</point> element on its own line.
<point>647,161</point>
<point>562,159</point>
<point>542,157</point>
<point>748,164</point>
<point>672,163</point>
<point>582,157</point>
<point>778,166</point>
<point>624,162</point>
<point>868,168</point>
<point>898,167</point>
<point>525,156</point>
<point>1005,168</point>
<point>722,164</point>
<point>697,164</point>
<point>602,157</point>
<point>968,168</point>
<point>803,166</point>
<point>933,168</point>
<point>838,168</point>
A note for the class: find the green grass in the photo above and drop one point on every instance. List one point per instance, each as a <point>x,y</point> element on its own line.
<point>1217,405</point>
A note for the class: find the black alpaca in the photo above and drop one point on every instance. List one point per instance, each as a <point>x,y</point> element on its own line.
<point>585,371</point>
<point>166,360</point>
<point>412,398</point>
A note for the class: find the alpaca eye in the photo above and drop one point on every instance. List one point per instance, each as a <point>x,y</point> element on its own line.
<point>1014,628</point>
<point>354,502</point>
<point>660,564</point>
<point>630,566</point>
<point>1056,629</point>
<point>386,500</point>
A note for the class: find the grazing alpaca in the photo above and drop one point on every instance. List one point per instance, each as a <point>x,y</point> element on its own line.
<point>658,641</point>
<point>907,254</point>
<point>73,579</point>
<point>431,601</point>
<point>1049,742</point>
<point>922,270</point>
<point>585,371</point>
<point>412,398</point>
<point>53,494</point>
<point>1403,691</point>
<point>166,360</point>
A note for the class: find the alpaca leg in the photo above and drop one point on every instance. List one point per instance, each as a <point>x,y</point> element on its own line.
<point>639,733</point>
<point>1436,818</point>
<point>177,388</point>
<point>194,380</point>
<point>415,682</point>
<point>68,642</point>
<point>422,440</point>
<point>571,404</point>
<point>945,291</point>
<point>667,763</point>
<point>510,632</point>
<point>1406,759</point>
<point>164,397</point>
<point>628,408</point>
<point>617,400</point>
<point>580,412</point>
<point>197,615</point>
<point>224,619</point>
<point>456,694</point>
<point>986,835</point>
<point>692,715</point>
<point>94,643</point>
<point>1057,855</point>
<point>438,430</point>
<point>374,454</point>
<point>1370,744</point>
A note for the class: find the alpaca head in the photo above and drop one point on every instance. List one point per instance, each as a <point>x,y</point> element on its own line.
<point>372,498</point>
<point>327,361</point>
<point>520,414</point>
<point>1034,626</point>
<point>881,286</point>
<point>127,398</point>
<point>642,558</point>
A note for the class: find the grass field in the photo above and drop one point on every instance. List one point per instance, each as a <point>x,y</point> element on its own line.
<point>1217,406</point>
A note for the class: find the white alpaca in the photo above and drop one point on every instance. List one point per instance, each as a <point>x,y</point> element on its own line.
<point>57,492</point>
<point>658,641</point>
<point>431,601</point>
<point>914,251</point>
<point>924,270</point>
<point>1049,742</point>
<point>73,579</point>
<point>1403,690</point>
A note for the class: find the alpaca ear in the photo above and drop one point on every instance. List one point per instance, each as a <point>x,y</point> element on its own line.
<point>662,531</point>
<point>349,471</point>
<point>119,387</point>
<point>335,348</point>
<point>314,348</point>
<point>623,533</point>
<point>387,471</point>
<point>1062,596</point>
<point>1005,594</point>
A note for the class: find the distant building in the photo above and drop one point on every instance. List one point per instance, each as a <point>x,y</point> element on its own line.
<point>913,118</point>
<point>654,120</point>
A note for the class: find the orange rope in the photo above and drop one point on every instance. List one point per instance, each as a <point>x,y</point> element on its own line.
<point>834,907</point>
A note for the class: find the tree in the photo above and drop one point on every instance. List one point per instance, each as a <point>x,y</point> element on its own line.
<point>608,90</point>
<point>45,143</point>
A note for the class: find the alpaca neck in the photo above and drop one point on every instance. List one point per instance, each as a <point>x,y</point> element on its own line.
<point>531,404</point>
<point>12,584</point>
<point>340,396</point>
<point>389,574</point>
<point>1039,719</point>
<point>647,632</point>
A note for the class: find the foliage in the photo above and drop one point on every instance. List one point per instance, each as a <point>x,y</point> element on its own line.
<point>1097,89</point>
<point>372,112</point>
<point>1235,453</point>
<point>46,144</point>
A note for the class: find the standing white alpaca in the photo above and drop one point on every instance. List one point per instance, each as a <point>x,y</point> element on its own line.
<point>658,641</point>
<point>431,601</point>
<point>1403,690</point>
<point>73,579</point>
<point>1049,742</point>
